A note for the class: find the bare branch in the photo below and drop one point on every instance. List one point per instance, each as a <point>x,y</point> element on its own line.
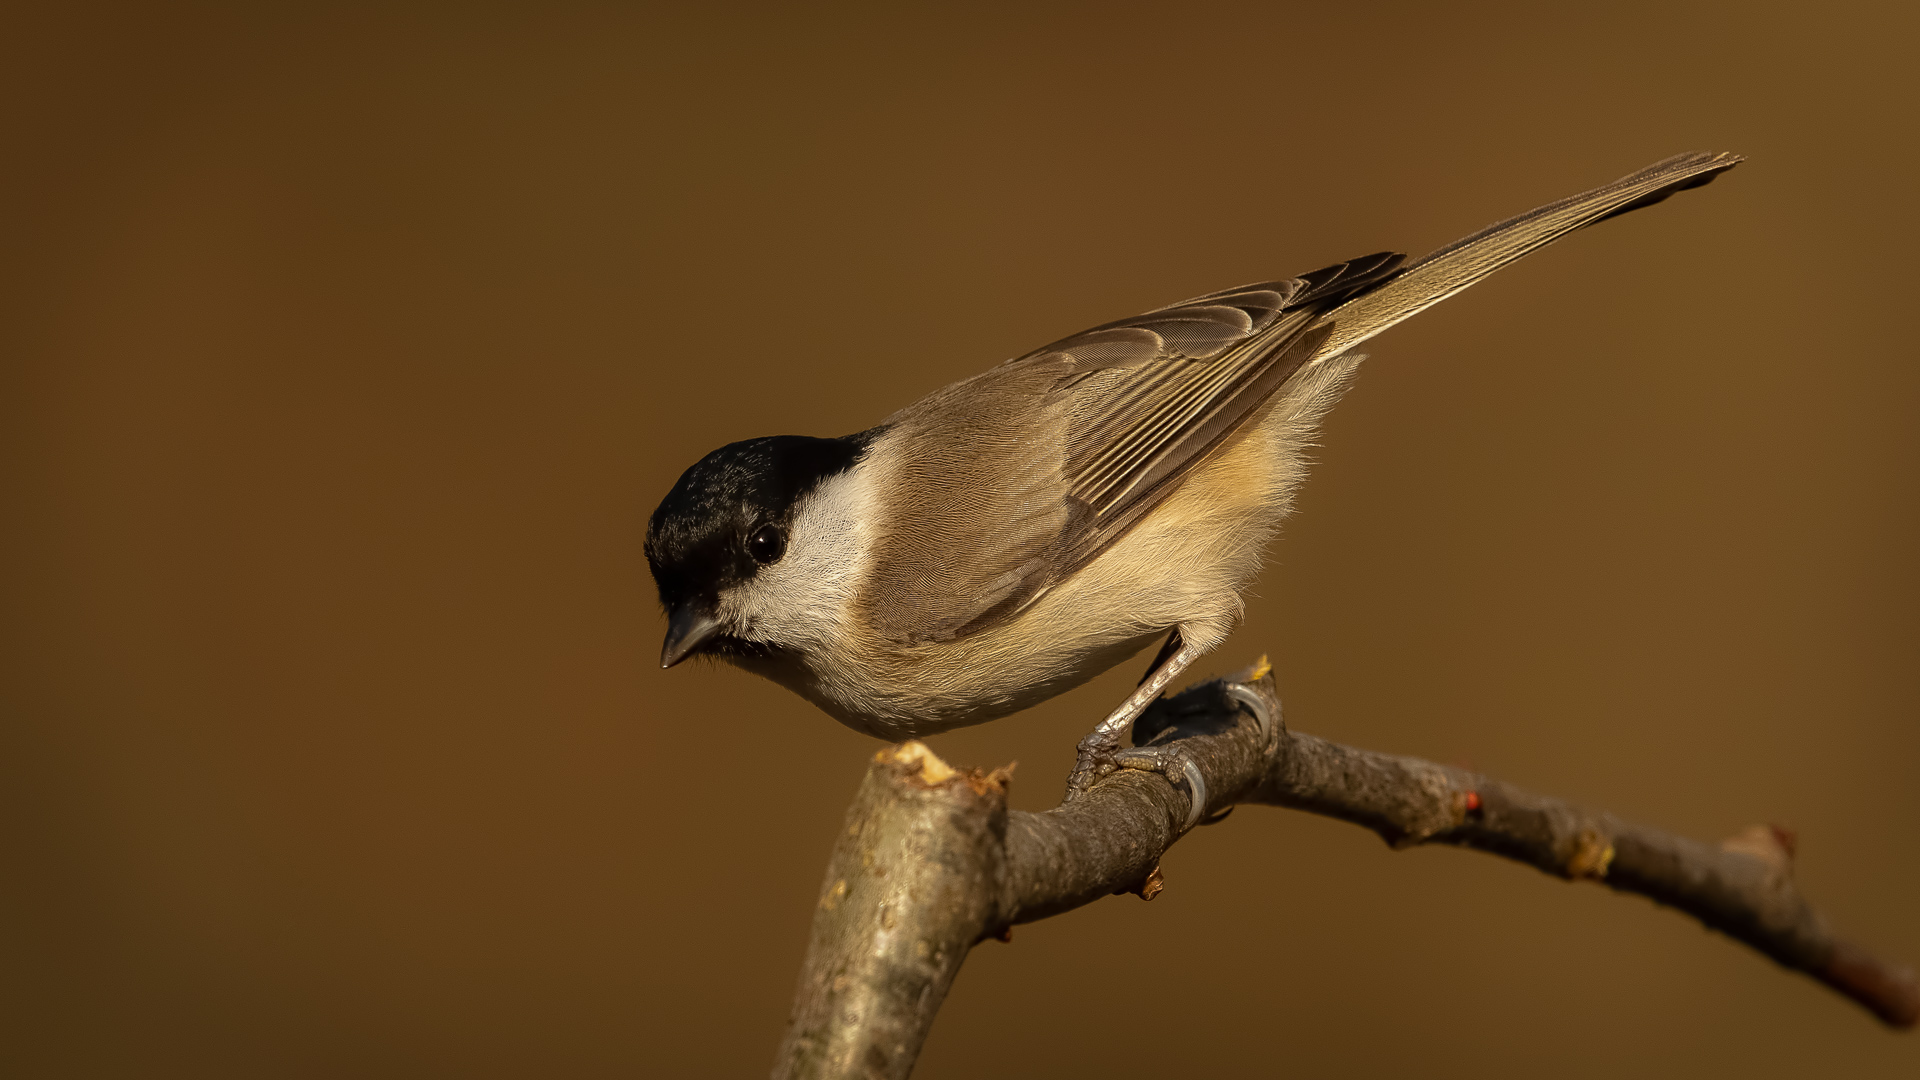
<point>932,862</point>
<point>1743,887</point>
<point>910,888</point>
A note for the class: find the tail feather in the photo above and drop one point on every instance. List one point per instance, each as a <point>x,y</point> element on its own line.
<point>1432,279</point>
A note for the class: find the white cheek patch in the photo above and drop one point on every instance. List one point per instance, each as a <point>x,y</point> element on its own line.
<point>807,597</point>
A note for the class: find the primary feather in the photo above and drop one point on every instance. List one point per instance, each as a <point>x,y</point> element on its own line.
<point>1047,460</point>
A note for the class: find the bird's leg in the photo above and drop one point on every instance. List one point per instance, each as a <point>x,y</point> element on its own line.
<point>1167,649</point>
<point>1096,750</point>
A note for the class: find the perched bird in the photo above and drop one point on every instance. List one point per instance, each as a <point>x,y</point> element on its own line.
<point>1015,534</point>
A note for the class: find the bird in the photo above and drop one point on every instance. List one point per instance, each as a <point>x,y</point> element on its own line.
<point>1012,535</point>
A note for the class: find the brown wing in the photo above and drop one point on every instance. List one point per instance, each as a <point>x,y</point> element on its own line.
<point>1187,375</point>
<point>1023,474</point>
<point>1026,472</point>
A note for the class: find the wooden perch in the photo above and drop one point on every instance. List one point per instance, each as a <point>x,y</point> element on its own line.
<point>931,862</point>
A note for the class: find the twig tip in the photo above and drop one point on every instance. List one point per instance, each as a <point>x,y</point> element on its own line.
<point>1152,886</point>
<point>915,754</point>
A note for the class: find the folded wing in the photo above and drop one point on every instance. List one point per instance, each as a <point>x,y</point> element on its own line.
<point>1036,467</point>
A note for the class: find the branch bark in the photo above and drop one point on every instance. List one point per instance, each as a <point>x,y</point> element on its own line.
<point>932,862</point>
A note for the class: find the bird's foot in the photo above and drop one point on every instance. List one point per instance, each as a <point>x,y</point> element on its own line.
<point>1099,751</point>
<point>1157,748</point>
<point>1096,759</point>
<point>1100,758</point>
<point>1172,762</point>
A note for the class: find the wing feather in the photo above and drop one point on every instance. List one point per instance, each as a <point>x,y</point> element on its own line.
<point>1030,470</point>
<point>1138,429</point>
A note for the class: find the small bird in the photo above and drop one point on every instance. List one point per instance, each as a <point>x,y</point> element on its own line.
<point>1017,533</point>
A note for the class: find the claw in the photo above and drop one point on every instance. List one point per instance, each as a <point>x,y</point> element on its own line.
<point>1254,703</point>
<point>1161,761</point>
<point>1196,792</point>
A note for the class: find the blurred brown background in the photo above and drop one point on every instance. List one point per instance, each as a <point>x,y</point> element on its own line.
<point>346,355</point>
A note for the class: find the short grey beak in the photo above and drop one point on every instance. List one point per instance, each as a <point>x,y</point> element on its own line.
<point>688,628</point>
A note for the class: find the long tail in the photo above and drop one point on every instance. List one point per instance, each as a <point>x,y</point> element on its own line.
<point>1428,281</point>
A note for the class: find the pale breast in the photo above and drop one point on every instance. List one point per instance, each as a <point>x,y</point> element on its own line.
<point>1184,565</point>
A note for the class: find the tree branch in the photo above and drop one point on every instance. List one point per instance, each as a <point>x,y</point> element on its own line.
<point>931,862</point>
<point>913,881</point>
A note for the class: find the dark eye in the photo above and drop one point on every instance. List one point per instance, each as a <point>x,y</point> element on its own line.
<point>766,545</point>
